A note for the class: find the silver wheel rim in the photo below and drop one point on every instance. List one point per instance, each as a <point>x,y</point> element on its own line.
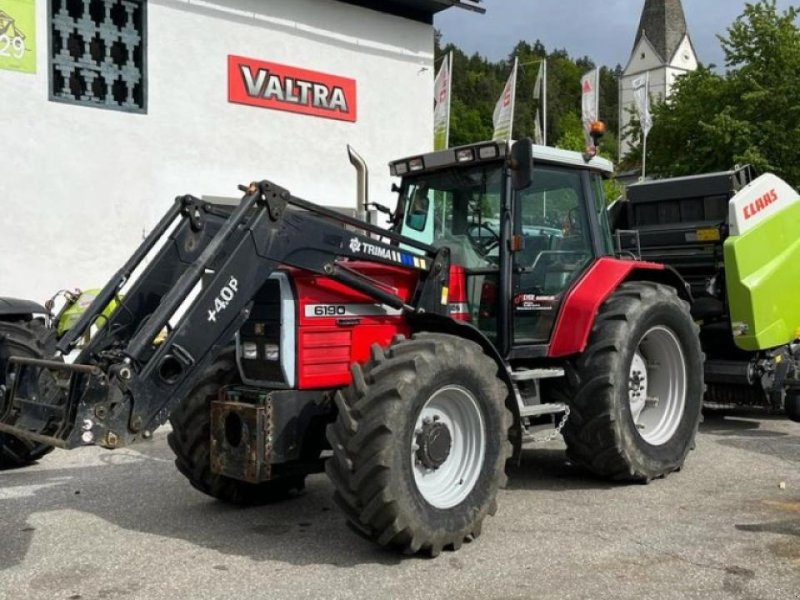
<point>657,386</point>
<point>450,483</point>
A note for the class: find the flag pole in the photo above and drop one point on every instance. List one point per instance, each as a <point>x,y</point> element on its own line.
<point>544,102</point>
<point>513,98</point>
<point>449,96</point>
<point>644,133</point>
<point>597,95</point>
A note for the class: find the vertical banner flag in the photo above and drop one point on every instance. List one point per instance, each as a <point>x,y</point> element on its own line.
<point>641,95</point>
<point>18,35</point>
<point>537,87</point>
<point>504,110</point>
<point>539,92</point>
<point>442,87</point>
<point>590,87</point>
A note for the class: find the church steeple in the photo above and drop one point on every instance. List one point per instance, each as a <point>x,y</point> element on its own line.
<point>662,52</point>
<point>663,23</point>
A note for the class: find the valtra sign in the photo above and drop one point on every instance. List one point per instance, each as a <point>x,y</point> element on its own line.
<point>280,87</point>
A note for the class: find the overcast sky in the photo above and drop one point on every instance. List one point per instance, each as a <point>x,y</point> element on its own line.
<point>604,30</point>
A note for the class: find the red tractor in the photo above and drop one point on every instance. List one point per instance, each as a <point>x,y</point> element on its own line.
<point>281,338</point>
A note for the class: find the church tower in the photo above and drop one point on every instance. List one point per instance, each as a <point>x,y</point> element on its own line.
<point>663,51</point>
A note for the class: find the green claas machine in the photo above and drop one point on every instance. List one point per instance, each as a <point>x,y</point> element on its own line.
<point>734,238</point>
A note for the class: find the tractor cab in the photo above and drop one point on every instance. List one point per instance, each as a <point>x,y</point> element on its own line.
<point>522,224</point>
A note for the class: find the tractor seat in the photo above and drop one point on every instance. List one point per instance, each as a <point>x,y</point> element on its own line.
<point>462,252</point>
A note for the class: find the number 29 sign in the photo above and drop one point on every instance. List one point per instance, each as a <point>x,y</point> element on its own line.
<point>18,35</point>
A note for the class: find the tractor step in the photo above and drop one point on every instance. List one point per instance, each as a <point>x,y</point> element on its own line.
<point>531,374</point>
<point>537,410</point>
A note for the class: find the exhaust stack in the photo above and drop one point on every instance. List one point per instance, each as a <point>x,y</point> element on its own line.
<point>362,184</point>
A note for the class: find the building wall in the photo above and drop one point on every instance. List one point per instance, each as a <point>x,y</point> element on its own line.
<point>84,184</point>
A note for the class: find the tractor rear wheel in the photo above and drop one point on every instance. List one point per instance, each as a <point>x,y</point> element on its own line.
<point>636,392</point>
<point>420,443</point>
<point>792,405</point>
<point>31,339</point>
<point>190,440</point>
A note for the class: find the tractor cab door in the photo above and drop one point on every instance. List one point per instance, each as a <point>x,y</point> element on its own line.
<point>459,208</point>
<point>555,218</point>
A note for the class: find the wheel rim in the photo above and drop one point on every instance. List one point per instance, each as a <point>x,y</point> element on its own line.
<point>657,386</point>
<point>445,481</point>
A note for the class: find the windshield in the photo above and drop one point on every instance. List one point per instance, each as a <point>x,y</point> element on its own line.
<point>458,208</point>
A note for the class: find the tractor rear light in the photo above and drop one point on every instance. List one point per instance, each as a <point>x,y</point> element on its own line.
<point>458,306</point>
<point>271,352</point>
<point>249,351</point>
<point>416,164</point>
<point>488,299</point>
<point>465,155</point>
<point>486,152</point>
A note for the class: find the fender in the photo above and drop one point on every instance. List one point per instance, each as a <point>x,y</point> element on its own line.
<point>429,322</point>
<point>583,301</point>
<point>19,309</point>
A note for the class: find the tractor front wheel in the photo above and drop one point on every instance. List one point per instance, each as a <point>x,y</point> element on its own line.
<point>420,444</point>
<point>29,339</point>
<point>636,392</point>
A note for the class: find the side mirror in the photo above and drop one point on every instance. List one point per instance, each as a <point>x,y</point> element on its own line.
<point>522,164</point>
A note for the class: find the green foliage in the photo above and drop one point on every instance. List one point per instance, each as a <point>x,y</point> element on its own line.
<point>751,114</point>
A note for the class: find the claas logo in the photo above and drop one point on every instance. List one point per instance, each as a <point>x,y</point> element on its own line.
<point>752,209</point>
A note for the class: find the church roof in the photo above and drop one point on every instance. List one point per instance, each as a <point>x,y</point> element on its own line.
<point>663,23</point>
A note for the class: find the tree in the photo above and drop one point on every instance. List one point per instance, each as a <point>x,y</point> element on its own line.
<point>749,115</point>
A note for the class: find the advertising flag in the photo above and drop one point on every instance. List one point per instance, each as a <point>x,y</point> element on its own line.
<point>537,87</point>
<point>641,96</point>
<point>441,104</point>
<point>590,87</point>
<point>504,110</point>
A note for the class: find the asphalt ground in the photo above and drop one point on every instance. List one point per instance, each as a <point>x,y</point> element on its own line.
<point>94,524</point>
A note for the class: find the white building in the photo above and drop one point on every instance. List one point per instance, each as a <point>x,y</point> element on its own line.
<point>662,52</point>
<point>133,102</point>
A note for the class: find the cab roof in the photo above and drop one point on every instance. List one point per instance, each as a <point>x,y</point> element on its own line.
<point>482,152</point>
<point>547,154</point>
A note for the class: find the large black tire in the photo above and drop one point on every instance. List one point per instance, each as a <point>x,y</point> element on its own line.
<point>601,434</point>
<point>31,339</point>
<point>374,463</point>
<point>190,440</point>
<point>792,405</point>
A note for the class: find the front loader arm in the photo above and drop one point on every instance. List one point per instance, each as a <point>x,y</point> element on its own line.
<point>134,381</point>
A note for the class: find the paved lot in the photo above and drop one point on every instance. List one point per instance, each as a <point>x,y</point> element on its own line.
<point>93,524</point>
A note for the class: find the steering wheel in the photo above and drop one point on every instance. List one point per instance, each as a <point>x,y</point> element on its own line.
<point>480,241</point>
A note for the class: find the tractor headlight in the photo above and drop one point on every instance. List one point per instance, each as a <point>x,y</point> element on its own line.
<point>271,352</point>
<point>486,152</point>
<point>249,351</point>
<point>416,164</point>
<point>465,155</point>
